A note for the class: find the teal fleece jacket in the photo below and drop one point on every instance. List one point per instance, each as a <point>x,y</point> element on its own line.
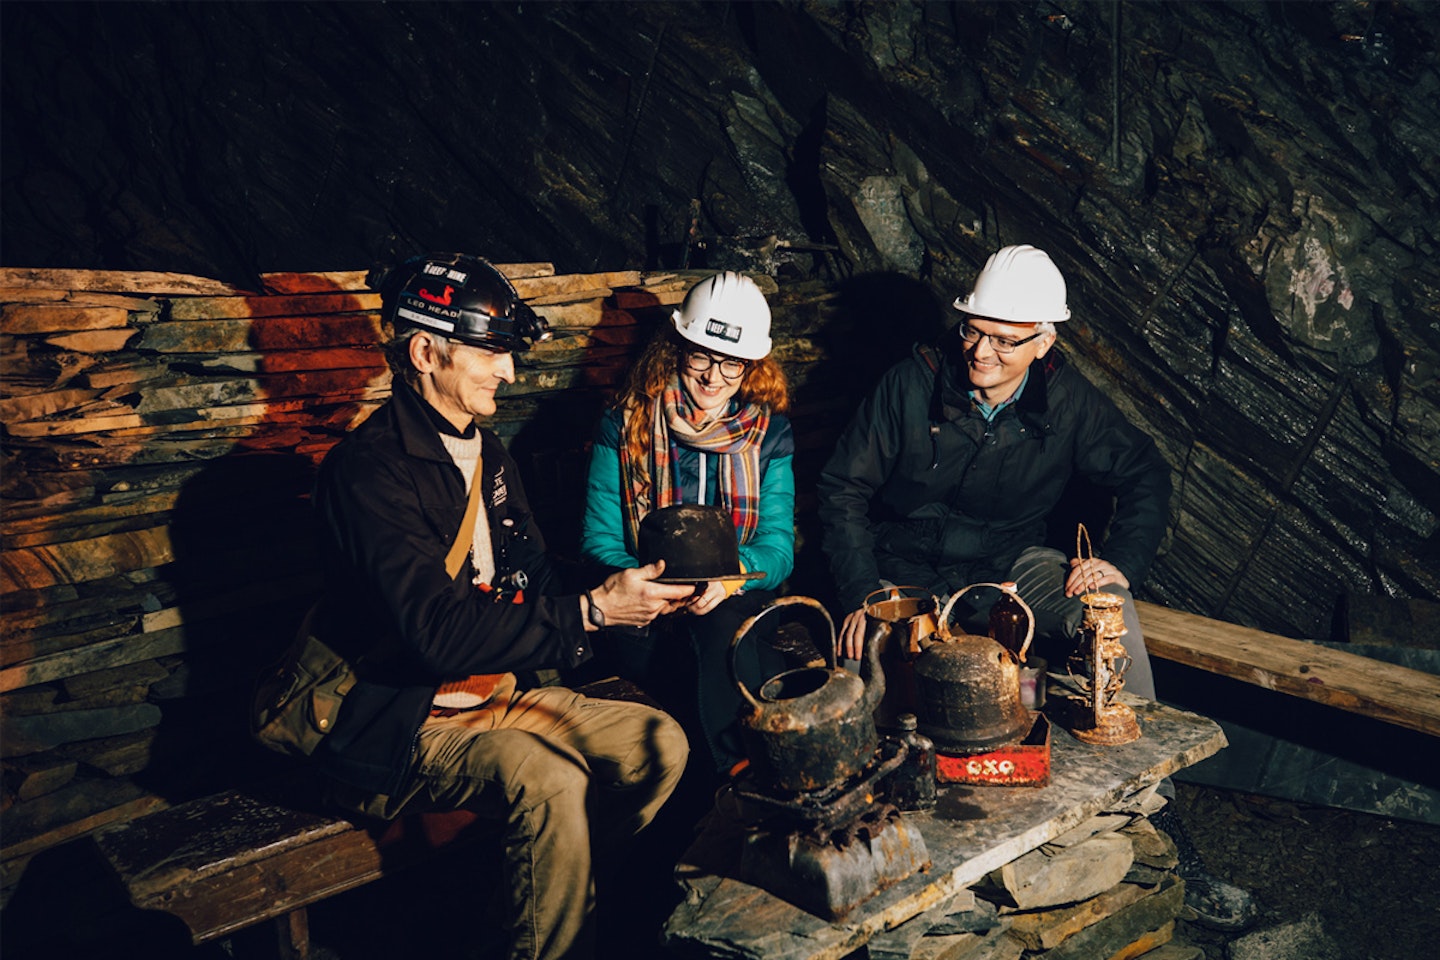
<point>772,547</point>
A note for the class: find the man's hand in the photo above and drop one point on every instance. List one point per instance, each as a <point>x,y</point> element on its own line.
<point>852,635</point>
<point>631,598</point>
<point>1087,575</point>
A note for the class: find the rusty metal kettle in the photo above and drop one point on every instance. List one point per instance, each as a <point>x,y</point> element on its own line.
<point>810,728</point>
<point>968,686</point>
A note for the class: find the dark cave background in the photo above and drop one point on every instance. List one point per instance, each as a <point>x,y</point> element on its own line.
<point>1242,196</point>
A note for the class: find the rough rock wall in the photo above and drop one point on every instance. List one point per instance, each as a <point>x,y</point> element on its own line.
<point>1242,195</point>
<point>1246,221</point>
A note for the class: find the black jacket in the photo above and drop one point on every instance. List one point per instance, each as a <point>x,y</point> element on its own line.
<point>390,501</point>
<point>921,491</point>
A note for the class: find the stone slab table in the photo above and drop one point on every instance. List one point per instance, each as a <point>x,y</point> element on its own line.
<point>971,831</point>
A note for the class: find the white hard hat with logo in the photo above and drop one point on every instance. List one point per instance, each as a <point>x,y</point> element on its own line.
<point>727,314</point>
<point>1019,284</point>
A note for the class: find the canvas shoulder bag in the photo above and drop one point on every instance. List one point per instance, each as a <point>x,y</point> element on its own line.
<point>297,700</point>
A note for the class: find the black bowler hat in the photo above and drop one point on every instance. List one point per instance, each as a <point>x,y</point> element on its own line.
<point>696,542</point>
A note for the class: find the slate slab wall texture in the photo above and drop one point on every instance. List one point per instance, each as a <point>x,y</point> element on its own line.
<point>1242,195</point>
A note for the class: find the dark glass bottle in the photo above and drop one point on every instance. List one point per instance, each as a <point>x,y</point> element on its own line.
<point>1008,620</point>
<point>912,785</point>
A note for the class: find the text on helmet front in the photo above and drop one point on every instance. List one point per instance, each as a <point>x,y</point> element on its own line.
<point>440,270</point>
<point>721,330</point>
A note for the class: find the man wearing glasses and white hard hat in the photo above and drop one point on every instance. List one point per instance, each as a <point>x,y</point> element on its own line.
<point>949,470</point>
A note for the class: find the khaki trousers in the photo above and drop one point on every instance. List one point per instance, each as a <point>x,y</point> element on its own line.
<point>567,775</point>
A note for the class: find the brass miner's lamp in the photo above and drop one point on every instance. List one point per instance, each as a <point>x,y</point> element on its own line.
<point>1104,720</point>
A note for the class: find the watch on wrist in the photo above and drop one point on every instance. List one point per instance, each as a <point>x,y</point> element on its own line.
<point>596,615</point>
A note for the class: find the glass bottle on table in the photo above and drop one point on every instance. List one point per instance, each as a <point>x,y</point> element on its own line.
<point>1009,622</point>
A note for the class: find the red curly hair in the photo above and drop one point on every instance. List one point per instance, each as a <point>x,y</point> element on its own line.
<point>763,384</point>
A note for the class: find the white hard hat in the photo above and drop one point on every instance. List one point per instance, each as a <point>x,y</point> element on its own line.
<point>728,314</point>
<point>1019,284</point>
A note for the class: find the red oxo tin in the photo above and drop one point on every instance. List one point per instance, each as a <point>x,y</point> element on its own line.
<point>1025,764</point>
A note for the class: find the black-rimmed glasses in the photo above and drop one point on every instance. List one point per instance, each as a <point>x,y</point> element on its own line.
<point>999,344</point>
<point>698,361</point>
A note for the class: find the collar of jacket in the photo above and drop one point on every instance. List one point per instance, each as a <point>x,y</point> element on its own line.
<point>418,433</point>
<point>952,392</point>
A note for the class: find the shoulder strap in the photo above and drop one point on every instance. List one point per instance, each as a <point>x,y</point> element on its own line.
<point>460,549</point>
<point>928,354</point>
<point>937,403</point>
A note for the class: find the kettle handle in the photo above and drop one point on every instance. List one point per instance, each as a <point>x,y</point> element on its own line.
<point>876,628</point>
<point>750,623</point>
<point>893,593</point>
<point>1006,587</point>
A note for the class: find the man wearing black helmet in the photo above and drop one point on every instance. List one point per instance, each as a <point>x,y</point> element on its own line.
<point>438,588</point>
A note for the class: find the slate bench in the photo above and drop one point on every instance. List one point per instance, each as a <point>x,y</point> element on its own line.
<point>243,856</point>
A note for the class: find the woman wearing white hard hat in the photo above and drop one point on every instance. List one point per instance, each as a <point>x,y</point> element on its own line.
<point>701,420</point>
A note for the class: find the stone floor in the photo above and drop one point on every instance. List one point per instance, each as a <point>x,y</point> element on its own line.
<point>1332,884</point>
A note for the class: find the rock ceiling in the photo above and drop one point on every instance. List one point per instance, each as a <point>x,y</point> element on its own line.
<point>1242,195</point>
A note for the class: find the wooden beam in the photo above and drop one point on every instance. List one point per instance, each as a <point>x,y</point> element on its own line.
<point>44,295</point>
<point>114,281</point>
<point>63,318</point>
<point>16,409</point>
<point>97,656</point>
<point>575,286</point>
<point>93,341</point>
<point>302,305</point>
<point>302,410</point>
<point>345,280</point>
<point>83,560</point>
<point>124,813</point>
<point>1373,688</point>
<point>265,334</point>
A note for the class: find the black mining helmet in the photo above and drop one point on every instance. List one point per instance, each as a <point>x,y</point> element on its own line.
<point>461,298</point>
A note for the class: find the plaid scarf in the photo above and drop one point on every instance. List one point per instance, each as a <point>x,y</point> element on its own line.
<point>736,438</point>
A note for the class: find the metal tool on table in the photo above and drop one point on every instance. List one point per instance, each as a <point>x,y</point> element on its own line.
<point>968,686</point>
<point>811,728</point>
<point>899,621</point>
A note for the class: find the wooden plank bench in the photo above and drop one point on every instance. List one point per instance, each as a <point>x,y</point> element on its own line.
<point>1373,688</point>
<point>227,861</point>
<point>237,858</point>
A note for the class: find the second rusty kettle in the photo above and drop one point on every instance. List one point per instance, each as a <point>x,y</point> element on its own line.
<point>968,686</point>
<point>899,621</point>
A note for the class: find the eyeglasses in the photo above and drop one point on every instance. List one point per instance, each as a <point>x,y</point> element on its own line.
<point>698,361</point>
<point>1000,344</point>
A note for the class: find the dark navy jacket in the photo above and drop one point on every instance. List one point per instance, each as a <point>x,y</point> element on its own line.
<point>390,501</point>
<point>922,491</point>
